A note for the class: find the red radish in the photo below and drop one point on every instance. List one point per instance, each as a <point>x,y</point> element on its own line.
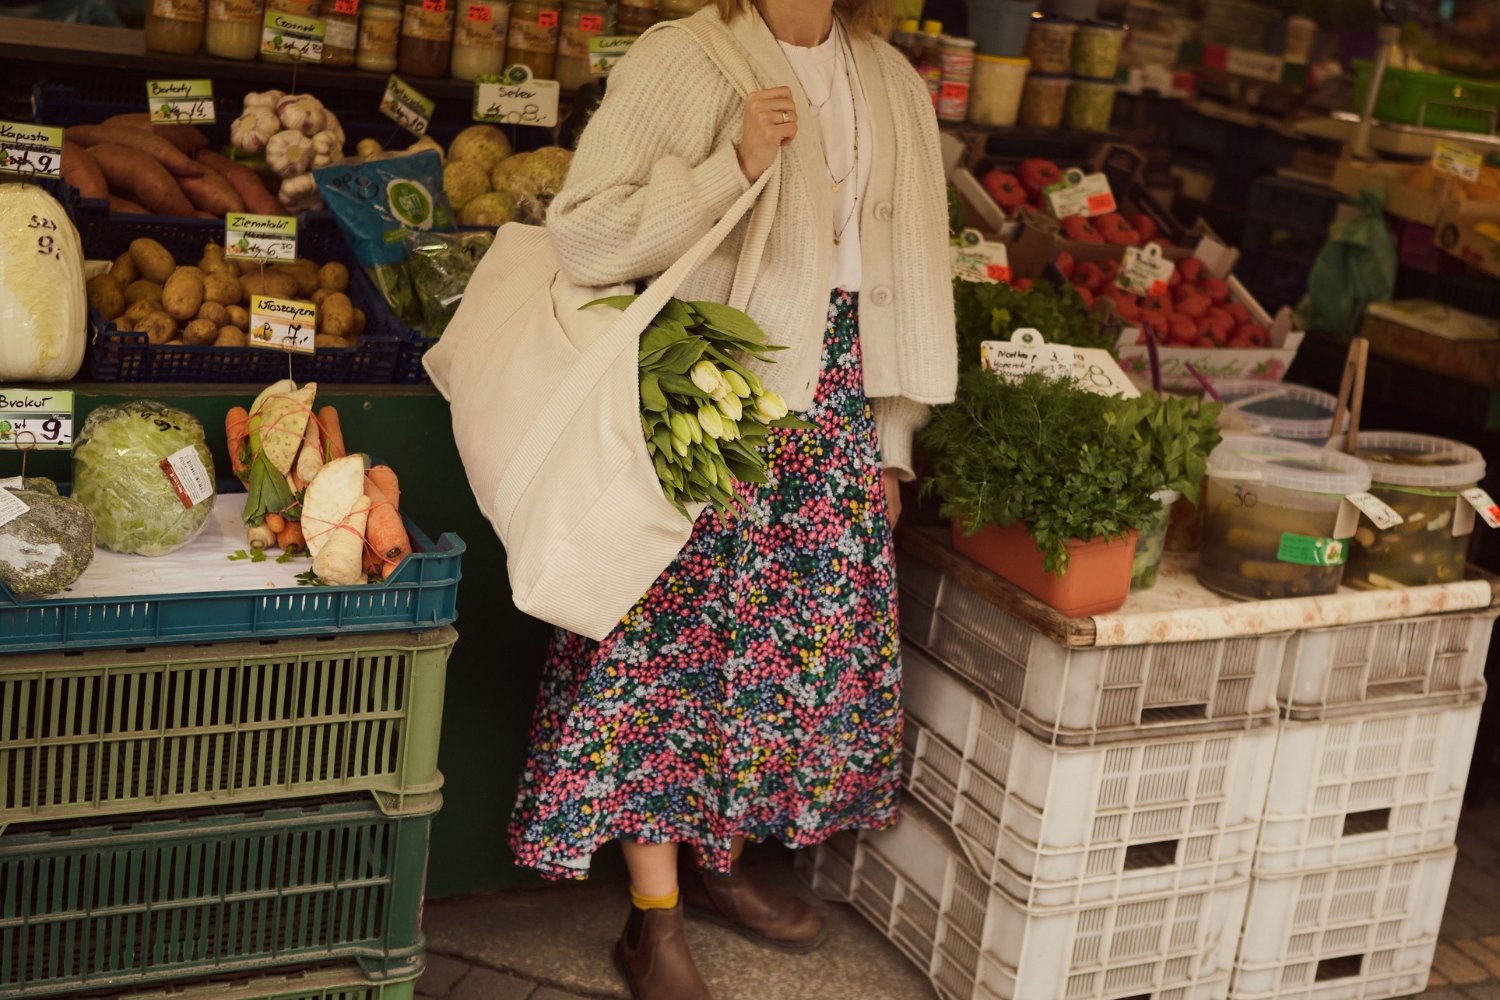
<point>1194,305</point>
<point>1006,189</point>
<point>1145,225</point>
<point>1254,334</point>
<point>1216,289</point>
<point>1066,265</point>
<point>1115,230</point>
<point>1088,275</point>
<point>1036,175</point>
<point>1192,270</point>
<point>1205,342</point>
<point>1182,329</point>
<point>1239,312</point>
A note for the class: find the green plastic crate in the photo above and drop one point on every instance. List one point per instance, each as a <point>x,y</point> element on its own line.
<point>1433,100</point>
<point>174,727</point>
<point>208,893</point>
<point>317,983</point>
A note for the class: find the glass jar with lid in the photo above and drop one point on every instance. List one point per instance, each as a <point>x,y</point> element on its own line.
<point>233,28</point>
<point>581,20</point>
<point>533,37</point>
<point>479,38</point>
<point>174,26</point>
<point>379,35</point>
<point>341,32</point>
<point>670,10</point>
<point>295,8</point>
<point>635,16</point>
<point>426,38</point>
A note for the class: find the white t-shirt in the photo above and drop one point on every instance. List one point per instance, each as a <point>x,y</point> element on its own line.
<point>822,72</point>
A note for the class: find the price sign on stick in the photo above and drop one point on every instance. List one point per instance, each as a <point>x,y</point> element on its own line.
<point>516,99</point>
<point>36,418</point>
<point>260,237</point>
<point>298,38</point>
<point>606,50</point>
<point>30,150</point>
<point>407,106</point>
<point>1082,194</point>
<point>282,324</point>
<point>178,102</point>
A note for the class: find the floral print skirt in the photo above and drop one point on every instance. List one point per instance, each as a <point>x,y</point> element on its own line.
<point>755,689</point>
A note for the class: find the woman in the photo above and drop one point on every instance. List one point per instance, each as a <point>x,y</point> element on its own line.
<point>754,690</point>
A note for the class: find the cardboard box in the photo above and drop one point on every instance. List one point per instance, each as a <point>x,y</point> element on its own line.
<point>1470,231</point>
<point>1436,338</point>
<point>1401,199</point>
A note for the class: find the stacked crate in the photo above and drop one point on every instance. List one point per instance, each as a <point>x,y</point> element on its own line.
<point>1080,823</point>
<point>241,820</point>
<point>1356,847</point>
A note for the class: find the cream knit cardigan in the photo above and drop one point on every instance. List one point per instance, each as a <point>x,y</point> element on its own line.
<point>657,166</point>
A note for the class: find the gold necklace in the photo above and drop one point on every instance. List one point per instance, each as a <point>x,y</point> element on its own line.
<point>838,233</point>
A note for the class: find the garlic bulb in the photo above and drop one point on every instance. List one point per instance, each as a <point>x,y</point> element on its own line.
<point>289,153</point>
<point>264,99</point>
<point>304,114</point>
<point>299,194</point>
<point>252,130</point>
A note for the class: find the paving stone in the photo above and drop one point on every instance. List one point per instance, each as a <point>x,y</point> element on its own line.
<point>1435,980</point>
<point>1456,967</point>
<point>487,984</point>
<point>441,975</point>
<point>1483,991</point>
<point>548,993</point>
<point>1440,994</point>
<point>1481,953</point>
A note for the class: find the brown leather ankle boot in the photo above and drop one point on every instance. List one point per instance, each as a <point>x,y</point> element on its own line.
<point>652,954</point>
<point>752,909</point>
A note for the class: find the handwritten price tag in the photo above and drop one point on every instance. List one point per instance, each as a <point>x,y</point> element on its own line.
<point>1460,161</point>
<point>516,99</point>
<point>30,150</point>
<point>260,237</point>
<point>36,418</point>
<point>1094,370</point>
<point>1145,272</point>
<point>407,106</point>
<point>1380,513</point>
<point>298,38</point>
<point>1484,506</point>
<point>178,102</point>
<point>1081,194</point>
<point>606,50</point>
<point>981,261</point>
<point>282,324</point>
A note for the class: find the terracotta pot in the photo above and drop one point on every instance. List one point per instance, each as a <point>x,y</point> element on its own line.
<point>1097,579</point>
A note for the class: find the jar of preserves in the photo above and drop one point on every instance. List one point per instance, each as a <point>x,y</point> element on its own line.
<point>1090,105</point>
<point>341,33</point>
<point>294,8</point>
<point>1049,45</point>
<point>533,37</point>
<point>995,94</point>
<point>581,20</point>
<point>1043,99</point>
<point>671,10</point>
<point>479,38</point>
<point>174,26</point>
<point>379,36</point>
<point>426,38</point>
<point>632,17</point>
<point>1096,51</point>
<point>233,28</point>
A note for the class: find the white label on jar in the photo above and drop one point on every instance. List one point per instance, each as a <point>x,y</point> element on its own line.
<point>428,24</point>
<point>341,35</point>
<point>11,507</point>
<point>1377,510</point>
<point>178,10</point>
<point>235,11</point>
<point>189,479</point>
<point>481,27</point>
<point>1483,506</point>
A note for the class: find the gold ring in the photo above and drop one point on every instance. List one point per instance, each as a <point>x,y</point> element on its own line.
<point>785,118</point>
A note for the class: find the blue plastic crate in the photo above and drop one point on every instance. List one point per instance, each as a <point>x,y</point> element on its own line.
<point>409,370</point>
<point>422,593</point>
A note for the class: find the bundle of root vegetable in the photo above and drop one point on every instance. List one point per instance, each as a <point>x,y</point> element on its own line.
<point>303,492</point>
<point>160,169</point>
<point>207,303</point>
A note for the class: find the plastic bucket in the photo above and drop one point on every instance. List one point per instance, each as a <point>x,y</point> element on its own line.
<point>1421,477</point>
<point>1096,51</point>
<point>1049,45</point>
<point>1000,27</point>
<point>1271,518</point>
<point>995,94</point>
<point>1097,579</point>
<point>1152,543</point>
<point>1043,99</point>
<point>1090,105</point>
<point>1281,409</point>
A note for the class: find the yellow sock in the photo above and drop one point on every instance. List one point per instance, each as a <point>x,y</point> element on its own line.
<point>653,902</point>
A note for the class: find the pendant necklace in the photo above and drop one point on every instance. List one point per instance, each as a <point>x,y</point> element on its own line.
<point>843,56</point>
<point>838,233</point>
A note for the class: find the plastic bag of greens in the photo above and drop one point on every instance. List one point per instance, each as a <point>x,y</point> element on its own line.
<point>376,202</point>
<point>141,468</point>
<point>441,265</point>
<point>1356,266</point>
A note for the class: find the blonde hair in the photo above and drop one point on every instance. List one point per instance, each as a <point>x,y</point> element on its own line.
<point>860,15</point>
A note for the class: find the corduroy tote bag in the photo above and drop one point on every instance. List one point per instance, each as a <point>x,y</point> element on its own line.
<point>546,408</point>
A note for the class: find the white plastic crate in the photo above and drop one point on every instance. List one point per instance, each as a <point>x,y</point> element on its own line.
<point>1357,932</point>
<point>1056,826</point>
<point>919,585</point>
<point>1096,694</point>
<point>1376,664</point>
<point>1365,788</point>
<point>828,869</point>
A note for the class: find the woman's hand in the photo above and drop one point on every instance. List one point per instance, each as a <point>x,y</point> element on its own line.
<point>770,123</point>
<point>892,496</point>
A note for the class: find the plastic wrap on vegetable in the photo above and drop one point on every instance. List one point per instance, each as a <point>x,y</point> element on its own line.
<point>534,182</point>
<point>441,266</point>
<point>375,201</point>
<point>145,472</point>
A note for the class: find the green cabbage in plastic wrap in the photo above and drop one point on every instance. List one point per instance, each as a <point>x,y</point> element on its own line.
<point>118,476</point>
<point>441,265</point>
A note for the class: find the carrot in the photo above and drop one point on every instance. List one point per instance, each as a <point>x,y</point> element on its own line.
<point>384,479</point>
<point>333,433</point>
<point>370,562</point>
<point>244,180</point>
<point>384,532</point>
<point>290,537</point>
<point>276,523</point>
<point>237,431</point>
<point>147,142</point>
<point>80,170</point>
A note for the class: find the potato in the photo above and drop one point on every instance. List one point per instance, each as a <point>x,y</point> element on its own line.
<point>214,311</point>
<point>334,277</point>
<point>304,272</point>
<point>158,327</point>
<point>213,261</point>
<point>336,316</point>
<point>124,270</point>
<point>152,260</point>
<point>183,293</point>
<point>324,341</point>
<point>200,331</point>
<point>319,297</point>
<point>277,284</point>
<point>223,288</point>
<point>231,336</point>
<point>359,322</point>
<point>106,296</point>
<point>239,316</point>
<point>141,308</point>
<point>142,290</point>
<point>124,325</point>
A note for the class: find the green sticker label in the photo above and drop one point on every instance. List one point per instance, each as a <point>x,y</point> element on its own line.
<point>36,418</point>
<point>299,39</point>
<point>407,106</point>
<point>30,150</point>
<point>411,203</point>
<point>260,237</point>
<point>180,101</point>
<point>1305,550</point>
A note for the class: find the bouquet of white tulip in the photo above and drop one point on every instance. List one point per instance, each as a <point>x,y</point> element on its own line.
<point>704,414</point>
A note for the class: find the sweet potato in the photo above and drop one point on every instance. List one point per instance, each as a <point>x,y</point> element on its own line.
<point>143,140</point>
<point>126,206</point>
<point>80,170</point>
<point>212,193</point>
<point>142,177</point>
<point>184,137</point>
<point>250,188</point>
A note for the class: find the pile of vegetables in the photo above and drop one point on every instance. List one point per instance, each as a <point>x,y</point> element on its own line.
<point>985,311</point>
<point>305,493</point>
<point>295,133</point>
<point>161,169</point>
<point>489,185</point>
<point>207,303</point>
<point>704,414</point>
<point>49,546</point>
<point>43,311</point>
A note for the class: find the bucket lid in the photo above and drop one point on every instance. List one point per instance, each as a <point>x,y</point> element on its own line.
<point>1004,60</point>
<point>1290,465</point>
<point>1281,409</point>
<point>1100,26</point>
<point>957,42</point>
<point>1401,459</point>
